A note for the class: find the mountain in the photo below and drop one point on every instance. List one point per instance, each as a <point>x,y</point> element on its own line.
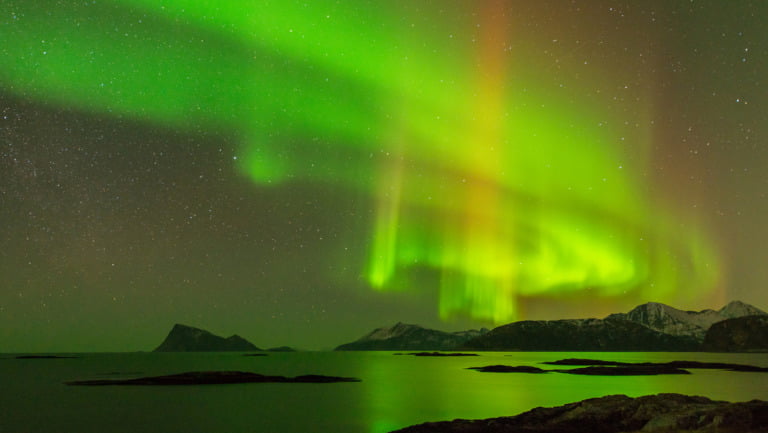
<point>608,334</point>
<point>736,309</point>
<point>740,334</point>
<point>648,327</point>
<point>184,338</point>
<point>410,337</point>
<point>672,321</point>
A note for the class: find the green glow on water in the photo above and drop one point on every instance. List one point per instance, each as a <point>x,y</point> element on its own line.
<point>502,187</point>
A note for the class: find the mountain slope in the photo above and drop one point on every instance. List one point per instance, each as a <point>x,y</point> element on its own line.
<point>579,335</point>
<point>402,336</point>
<point>669,320</point>
<point>740,334</point>
<point>736,309</point>
<point>183,338</point>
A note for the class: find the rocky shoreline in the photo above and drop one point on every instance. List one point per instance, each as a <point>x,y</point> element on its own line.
<point>661,413</point>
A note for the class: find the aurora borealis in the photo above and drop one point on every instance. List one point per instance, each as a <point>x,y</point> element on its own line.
<point>297,171</point>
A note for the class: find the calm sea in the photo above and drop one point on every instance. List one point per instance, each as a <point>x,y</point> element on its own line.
<point>396,391</point>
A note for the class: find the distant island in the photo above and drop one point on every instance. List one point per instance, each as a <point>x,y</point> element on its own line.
<point>45,357</point>
<point>281,349</point>
<point>436,354</point>
<point>737,327</point>
<point>183,338</point>
<point>595,367</point>
<point>212,378</point>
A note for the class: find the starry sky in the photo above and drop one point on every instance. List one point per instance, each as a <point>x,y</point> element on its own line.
<point>300,173</point>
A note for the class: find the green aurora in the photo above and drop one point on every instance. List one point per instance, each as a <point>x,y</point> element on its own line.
<point>482,174</point>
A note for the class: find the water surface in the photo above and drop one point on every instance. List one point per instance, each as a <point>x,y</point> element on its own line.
<point>395,391</point>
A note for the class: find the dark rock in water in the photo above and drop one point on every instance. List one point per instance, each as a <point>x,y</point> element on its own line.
<point>718,366</point>
<point>184,338</point>
<point>644,370</point>
<point>213,378</point>
<point>410,337</point>
<point>255,354</point>
<point>662,413</point>
<point>582,361</point>
<point>742,334</point>
<point>45,357</point>
<point>579,335</point>
<point>281,349</point>
<point>509,369</point>
<point>438,354</point>
<point>673,364</point>
<point>316,378</point>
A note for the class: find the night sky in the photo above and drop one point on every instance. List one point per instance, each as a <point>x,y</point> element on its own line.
<point>301,173</point>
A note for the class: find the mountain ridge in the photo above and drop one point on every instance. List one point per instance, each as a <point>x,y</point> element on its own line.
<point>402,336</point>
<point>185,338</point>
<point>652,326</point>
<point>669,320</point>
<point>594,335</point>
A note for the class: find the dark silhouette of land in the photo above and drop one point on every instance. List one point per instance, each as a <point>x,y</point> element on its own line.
<point>650,327</point>
<point>437,354</point>
<point>183,338</point>
<point>662,413</point>
<point>673,364</point>
<point>596,367</point>
<point>212,378</point>
<point>45,357</point>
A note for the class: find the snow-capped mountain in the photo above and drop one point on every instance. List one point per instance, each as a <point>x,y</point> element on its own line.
<point>669,320</point>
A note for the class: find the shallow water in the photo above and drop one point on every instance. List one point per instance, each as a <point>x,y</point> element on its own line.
<point>395,391</point>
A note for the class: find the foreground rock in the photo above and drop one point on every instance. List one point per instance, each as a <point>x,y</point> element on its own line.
<point>183,338</point>
<point>742,334</point>
<point>662,413</point>
<point>410,337</point>
<point>213,378</point>
<point>594,335</point>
